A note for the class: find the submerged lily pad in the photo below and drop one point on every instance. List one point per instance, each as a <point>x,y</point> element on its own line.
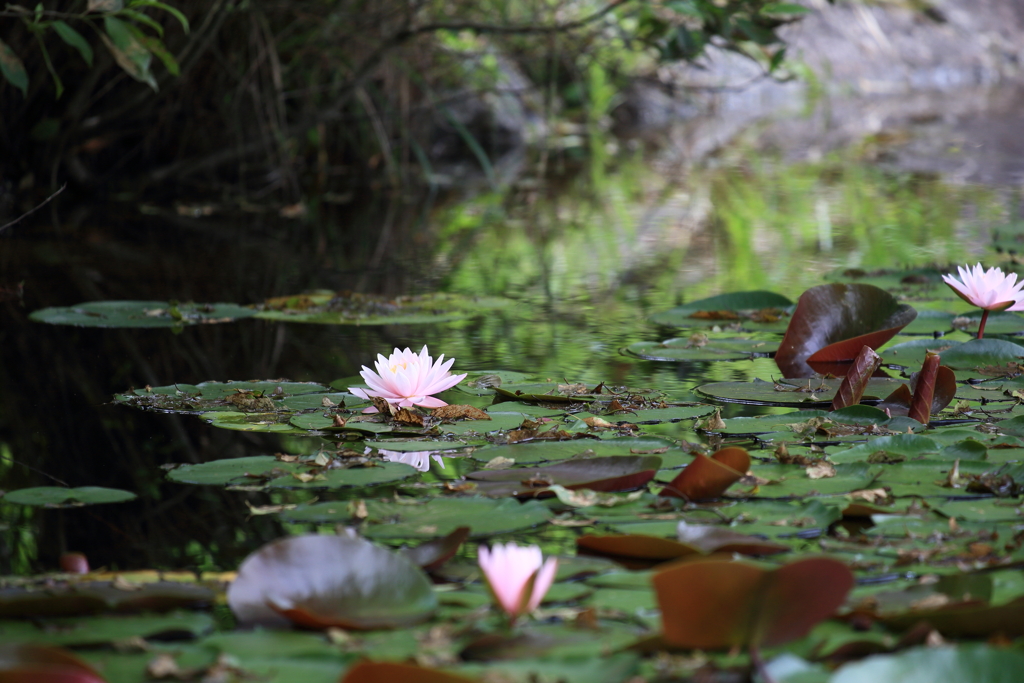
<point>351,308</point>
<point>141,314</point>
<point>57,496</point>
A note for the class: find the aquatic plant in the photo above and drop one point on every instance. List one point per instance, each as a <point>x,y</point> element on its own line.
<point>517,576</point>
<point>408,379</point>
<point>989,290</point>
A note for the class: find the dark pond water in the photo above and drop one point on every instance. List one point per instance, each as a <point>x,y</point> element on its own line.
<point>587,257</point>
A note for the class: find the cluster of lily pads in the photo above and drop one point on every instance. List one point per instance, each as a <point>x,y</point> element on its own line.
<point>865,508</point>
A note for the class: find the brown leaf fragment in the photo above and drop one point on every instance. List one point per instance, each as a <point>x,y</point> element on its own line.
<point>597,423</point>
<point>357,509</point>
<point>382,406</point>
<point>713,423</point>
<point>869,495</point>
<point>571,522</point>
<point>409,417</point>
<point>821,470</point>
<point>500,463</point>
<point>337,421</point>
<point>459,412</point>
<point>651,451</point>
<point>715,315</point>
<point>459,487</point>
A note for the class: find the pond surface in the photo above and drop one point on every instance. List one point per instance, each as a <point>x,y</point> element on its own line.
<point>586,254</point>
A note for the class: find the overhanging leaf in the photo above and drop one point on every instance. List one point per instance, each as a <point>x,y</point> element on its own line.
<point>832,322</point>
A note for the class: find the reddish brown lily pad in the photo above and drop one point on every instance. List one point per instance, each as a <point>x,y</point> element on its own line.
<point>27,663</point>
<point>711,604</point>
<point>832,322</point>
<point>610,473</point>
<point>325,581</point>
<point>709,477</point>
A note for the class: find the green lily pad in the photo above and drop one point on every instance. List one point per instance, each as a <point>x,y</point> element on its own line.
<point>688,315</point>
<point>999,322</point>
<point>539,451</point>
<point>430,518</point>
<point>982,352</point>
<point>251,422</point>
<point>349,308</point>
<point>57,496</point>
<point>141,314</point>
<point>911,353</point>
<point>100,630</point>
<point>889,448</point>
<point>965,662</point>
<point>702,350</point>
<point>793,393</point>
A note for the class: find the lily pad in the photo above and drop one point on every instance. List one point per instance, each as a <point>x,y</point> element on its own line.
<point>539,451</point>
<point>612,473</point>
<point>57,496</point>
<point>793,393</point>
<point>979,353</point>
<point>701,349</point>
<point>141,314</point>
<point>350,308</point>
<point>431,518</point>
<point>724,309</point>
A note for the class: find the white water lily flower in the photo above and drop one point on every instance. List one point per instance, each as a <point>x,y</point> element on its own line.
<point>407,379</point>
<point>518,577</point>
<point>989,290</point>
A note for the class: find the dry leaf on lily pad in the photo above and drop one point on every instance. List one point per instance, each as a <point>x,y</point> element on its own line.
<point>323,581</point>
<point>711,604</point>
<point>27,663</point>
<point>709,477</point>
<point>832,322</point>
<point>393,672</point>
<point>459,412</point>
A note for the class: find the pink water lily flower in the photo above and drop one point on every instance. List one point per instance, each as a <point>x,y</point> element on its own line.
<point>418,459</point>
<point>517,576</point>
<point>408,379</point>
<point>989,290</point>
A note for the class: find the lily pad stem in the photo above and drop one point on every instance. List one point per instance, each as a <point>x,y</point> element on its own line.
<point>759,667</point>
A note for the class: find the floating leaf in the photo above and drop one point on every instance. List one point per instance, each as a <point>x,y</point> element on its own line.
<point>710,604</point>
<point>349,308</point>
<point>612,473</point>
<point>832,322</point>
<point>965,662</point>
<point>563,450</point>
<point>912,353</point>
<point>702,348</point>
<point>266,470</point>
<point>808,393</point>
<point>979,353</point>
<point>431,518</point>
<point>140,314</point>
<point>709,477</point>
<point>391,672</point>
<point>57,496</point>
<point>101,630</point>
<point>725,309</point>
<point>322,581</point>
